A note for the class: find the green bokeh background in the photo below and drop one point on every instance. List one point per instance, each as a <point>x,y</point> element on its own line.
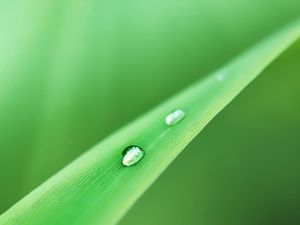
<point>74,71</point>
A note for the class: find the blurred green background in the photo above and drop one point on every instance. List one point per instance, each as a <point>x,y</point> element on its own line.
<point>74,71</point>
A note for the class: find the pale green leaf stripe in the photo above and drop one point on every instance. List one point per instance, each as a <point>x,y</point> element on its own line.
<point>97,189</point>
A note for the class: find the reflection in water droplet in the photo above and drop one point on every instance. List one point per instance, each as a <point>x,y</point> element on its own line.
<point>132,155</point>
<point>174,117</point>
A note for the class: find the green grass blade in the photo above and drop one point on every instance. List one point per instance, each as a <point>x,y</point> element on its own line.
<point>98,189</point>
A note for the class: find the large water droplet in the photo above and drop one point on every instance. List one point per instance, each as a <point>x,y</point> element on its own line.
<point>132,155</point>
<point>174,117</point>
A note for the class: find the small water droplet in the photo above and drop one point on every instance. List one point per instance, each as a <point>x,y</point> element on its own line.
<point>220,77</point>
<point>174,117</point>
<point>132,155</point>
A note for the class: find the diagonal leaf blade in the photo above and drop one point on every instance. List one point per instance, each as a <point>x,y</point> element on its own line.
<point>98,189</point>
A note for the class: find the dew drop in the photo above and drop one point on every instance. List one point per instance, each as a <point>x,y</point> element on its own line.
<point>174,117</point>
<point>132,155</point>
<point>221,75</point>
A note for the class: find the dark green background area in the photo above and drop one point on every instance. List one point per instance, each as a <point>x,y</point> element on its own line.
<point>72,72</point>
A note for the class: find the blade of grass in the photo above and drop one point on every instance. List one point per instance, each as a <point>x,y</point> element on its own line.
<point>97,189</point>
<point>104,61</point>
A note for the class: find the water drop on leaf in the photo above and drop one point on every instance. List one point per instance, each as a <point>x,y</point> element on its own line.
<point>174,117</point>
<point>132,155</point>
